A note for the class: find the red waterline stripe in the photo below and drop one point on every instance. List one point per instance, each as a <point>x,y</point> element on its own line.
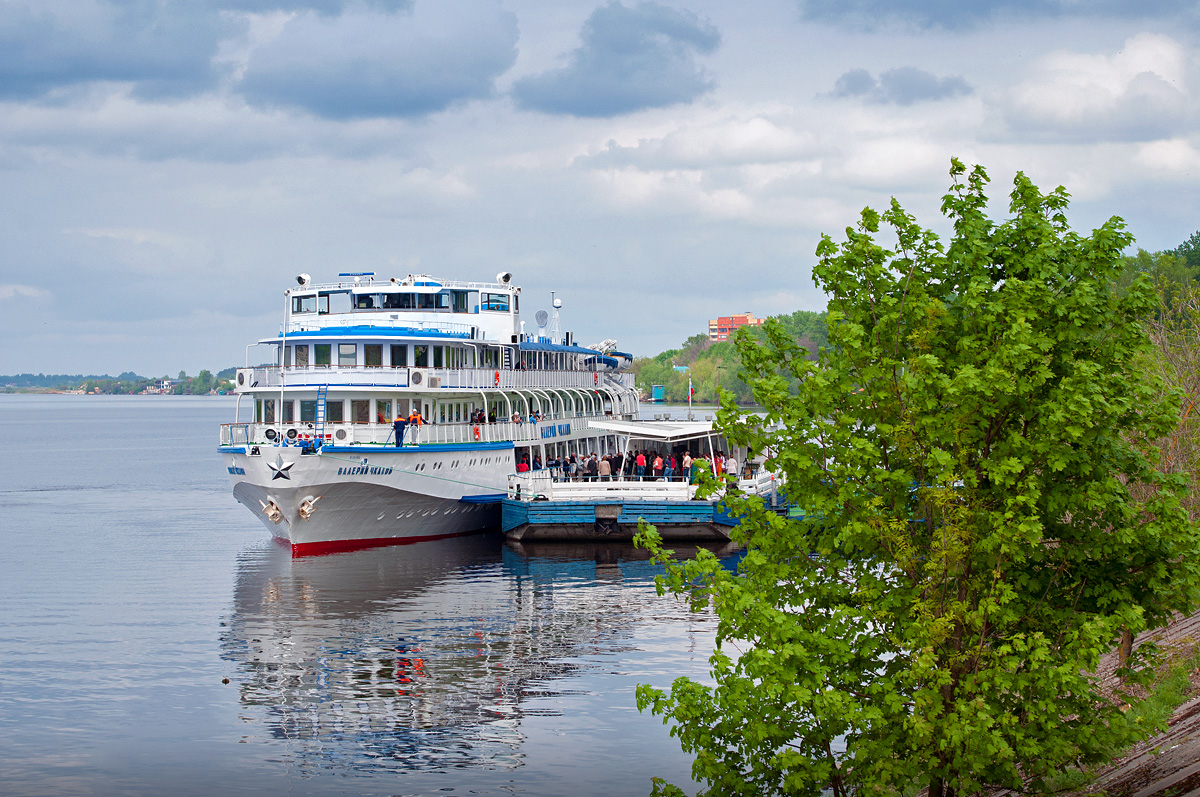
<point>341,546</point>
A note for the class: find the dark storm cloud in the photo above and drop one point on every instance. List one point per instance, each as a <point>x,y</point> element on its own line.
<point>957,14</point>
<point>904,85</point>
<point>384,65</point>
<point>163,48</point>
<point>630,59</point>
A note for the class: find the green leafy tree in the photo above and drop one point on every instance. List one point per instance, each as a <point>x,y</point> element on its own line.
<point>1169,272</point>
<point>203,382</point>
<point>965,447</point>
<point>1189,251</point>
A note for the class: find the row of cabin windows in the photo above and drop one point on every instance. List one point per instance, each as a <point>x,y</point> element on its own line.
<point>360,410</point>
<point>423,355</point>
<point>324,303</point>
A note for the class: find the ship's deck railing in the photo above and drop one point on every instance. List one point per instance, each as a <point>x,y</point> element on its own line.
<point>527,486</point>
<point>377,318</point>
<point>269,376</point>
<point>344,434</point>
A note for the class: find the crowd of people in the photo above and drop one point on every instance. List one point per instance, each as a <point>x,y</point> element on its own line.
<point>648,465</point>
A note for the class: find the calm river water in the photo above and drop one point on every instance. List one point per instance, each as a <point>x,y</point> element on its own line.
<point>132,585</point>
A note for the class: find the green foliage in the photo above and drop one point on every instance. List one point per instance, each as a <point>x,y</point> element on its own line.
<point>1189,251</point>
<point>716,366</point>
<point>1170,272</point>
<point>965,448</point>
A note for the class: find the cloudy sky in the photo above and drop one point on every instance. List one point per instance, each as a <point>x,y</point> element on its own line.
<point>168,166</point>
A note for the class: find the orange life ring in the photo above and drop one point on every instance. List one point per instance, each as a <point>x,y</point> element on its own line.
<point>497,379</point>
<point>476,431</point>
<point>596,378</point>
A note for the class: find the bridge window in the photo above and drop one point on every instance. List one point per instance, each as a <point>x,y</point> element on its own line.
<point>421,356</point>
<point>338,302</point>
<point>268,411</point>
<point>335,410</point>
<point>360,411</point>
<point>398,301</point>
<point>496,302</point>
<point>308,411</point>
<point>289,411</point>
<point>366,301</point>
<point>433,301</point>
<point>302,356</point>
<point>438,361</point>
<point>347,354</point>
<point>321,353</point>
<point>399,356</point>
<point>304,304</point>
<point>373,355</point>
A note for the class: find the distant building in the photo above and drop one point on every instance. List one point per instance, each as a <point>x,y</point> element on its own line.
<point>162,386</point>
<point>721,328</point>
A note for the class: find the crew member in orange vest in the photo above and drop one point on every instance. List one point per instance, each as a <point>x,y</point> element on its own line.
<point>415,421</point>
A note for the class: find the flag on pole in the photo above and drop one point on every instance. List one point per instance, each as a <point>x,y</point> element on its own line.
<point>691,390</point>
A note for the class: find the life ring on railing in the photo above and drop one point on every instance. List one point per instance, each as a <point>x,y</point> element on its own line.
<point>596,378</point>
<point>497,379</point>
<point>476,431</point>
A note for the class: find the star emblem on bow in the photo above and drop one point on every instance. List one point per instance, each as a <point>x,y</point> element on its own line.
<point>279,469</point>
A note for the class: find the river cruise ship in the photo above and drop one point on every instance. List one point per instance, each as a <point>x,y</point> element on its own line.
<point>312,450</point>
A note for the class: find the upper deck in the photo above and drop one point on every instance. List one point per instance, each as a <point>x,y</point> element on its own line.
<point>416,304</point>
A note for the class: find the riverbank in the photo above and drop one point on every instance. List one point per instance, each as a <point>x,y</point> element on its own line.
<point>1169,762</point>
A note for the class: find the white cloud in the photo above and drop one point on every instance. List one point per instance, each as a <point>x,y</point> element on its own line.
<point>27,291</point>
<point>1175,157</point>
<point>155,237</point>
<point>728,141</point>
<point>1137,93</point>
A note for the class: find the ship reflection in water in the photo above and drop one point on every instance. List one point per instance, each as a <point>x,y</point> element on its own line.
<point>440,656</point>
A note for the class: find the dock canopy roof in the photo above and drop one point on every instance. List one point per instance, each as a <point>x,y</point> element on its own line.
<point>540,345</point>
<point>662,431</point>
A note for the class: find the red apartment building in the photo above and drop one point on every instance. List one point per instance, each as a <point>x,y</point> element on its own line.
<point>721,328</point>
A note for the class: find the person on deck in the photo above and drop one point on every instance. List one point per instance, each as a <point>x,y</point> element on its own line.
<point>416,421</point>
<point>398,426</point>
<point>605,470</point>
<point>639,467</point>
<point>523,465</point>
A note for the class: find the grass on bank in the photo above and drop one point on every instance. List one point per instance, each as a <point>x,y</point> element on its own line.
<point>1168,692</point>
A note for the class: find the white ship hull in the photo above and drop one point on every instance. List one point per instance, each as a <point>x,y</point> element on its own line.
<point>358,498</point>
<point>312,459</point>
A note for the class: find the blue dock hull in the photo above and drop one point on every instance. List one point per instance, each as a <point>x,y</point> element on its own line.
<point>612,520</point>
